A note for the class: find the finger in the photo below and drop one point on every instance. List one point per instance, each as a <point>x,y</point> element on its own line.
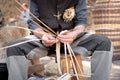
<point>47,45</point>
<point>65,40</point>
<point>65,36</point>
<point>50,41</point>
<point>51,37</point>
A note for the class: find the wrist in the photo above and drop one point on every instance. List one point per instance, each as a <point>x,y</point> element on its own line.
<point>39,33</point>
<point>78,29</point>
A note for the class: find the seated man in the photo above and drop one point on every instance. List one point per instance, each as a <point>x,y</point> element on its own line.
<point>53,13</point>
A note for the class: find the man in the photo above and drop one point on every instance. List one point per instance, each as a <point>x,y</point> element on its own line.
<point>52,13</point>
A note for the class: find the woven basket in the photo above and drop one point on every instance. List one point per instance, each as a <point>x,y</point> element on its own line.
<point>113,35</point>
<point>106,16</point>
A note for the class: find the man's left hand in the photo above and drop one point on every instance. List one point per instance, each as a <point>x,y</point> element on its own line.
<point>68,37</point>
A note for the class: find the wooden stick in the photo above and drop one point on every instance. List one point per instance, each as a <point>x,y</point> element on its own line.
<point>66,57</point>
<point>42,27</point>
<point>72,61</point>
<point>37,24</point>
<point>38,19</point>
<point>58,56</point>
<point>75,58</point>
<point>43,23</point>
<point>19,43</point>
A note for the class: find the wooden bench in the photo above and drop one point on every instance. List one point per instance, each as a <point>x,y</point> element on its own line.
<point>79,71</point>
<point>64,68</point>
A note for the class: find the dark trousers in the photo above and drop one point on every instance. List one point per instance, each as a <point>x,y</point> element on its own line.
<point>98,47</point>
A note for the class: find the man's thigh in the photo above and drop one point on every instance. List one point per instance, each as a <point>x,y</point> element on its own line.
<point>89,43</point>
<point>29,46</point>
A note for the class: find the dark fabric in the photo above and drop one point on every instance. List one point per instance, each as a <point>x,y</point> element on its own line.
<point>45,11</point>
<point>22,49</point>
<point>96,43</point>
<point>3,71</point>
<point>92,43</point>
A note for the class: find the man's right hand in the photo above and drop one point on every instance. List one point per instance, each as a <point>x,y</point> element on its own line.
<point>47,39</point>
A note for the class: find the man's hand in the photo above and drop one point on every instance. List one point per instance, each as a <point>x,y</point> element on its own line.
<point>64,36</point>
<point>48,40</point>
<point>70,36</point>
<point>67,36</point>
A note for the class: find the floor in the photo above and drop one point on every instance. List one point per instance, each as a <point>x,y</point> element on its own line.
<point>115,72</point>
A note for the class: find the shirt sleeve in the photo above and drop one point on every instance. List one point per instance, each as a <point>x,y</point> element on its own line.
<point>81,13</point>
<point>33,10</point>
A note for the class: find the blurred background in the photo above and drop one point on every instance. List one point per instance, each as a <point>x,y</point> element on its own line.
<point>103,18</point>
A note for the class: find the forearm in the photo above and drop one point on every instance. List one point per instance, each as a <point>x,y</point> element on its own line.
<point>77,30</point>
<point>39,33</point>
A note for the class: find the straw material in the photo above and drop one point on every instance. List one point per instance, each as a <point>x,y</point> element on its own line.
<point>107,12</point>
<point>106,18</point>
<point>113,35</point>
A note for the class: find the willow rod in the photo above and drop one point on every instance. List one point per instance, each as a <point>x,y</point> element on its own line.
<point>37,24</point>
<point>65,49</point>
<point>72,61</point>
<point>43,23</point>
<point>75,58</point>
<point>19,43</point>
<point>38,20</point>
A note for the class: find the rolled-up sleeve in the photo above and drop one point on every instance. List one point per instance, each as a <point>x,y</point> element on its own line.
<point>33,10</point>
<point>81,13</point>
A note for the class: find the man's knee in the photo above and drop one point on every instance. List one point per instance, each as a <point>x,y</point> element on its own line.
<point>14,48</point>
<point>105,43</point>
